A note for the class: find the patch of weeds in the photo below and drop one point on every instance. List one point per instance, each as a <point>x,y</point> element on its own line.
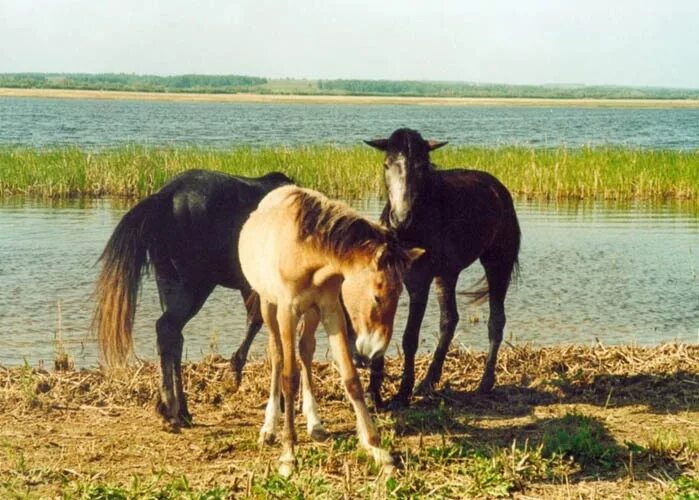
<point>296,487</point>
<point>388,437</point>
<point>179,488</point>
<point>582,438</point>
<point>28,385</point>
<point>345,444</point>
<point>98,492</point>
<point>525,464</point>
<point>405,487</point>
<point>449,451</point>
<point>484,478</point>
<point>684,488</point>
<point>429,420</point>
<point>312,457</point>
<point>668,444</point>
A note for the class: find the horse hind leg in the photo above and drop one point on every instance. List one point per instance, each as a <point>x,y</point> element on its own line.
<point>307,346</point>
<point>180,304</point>
<point>274,351</point>
<point>254,323</point>
<point>498,276</point>
<point>449,318</point>
<point>287,321</point>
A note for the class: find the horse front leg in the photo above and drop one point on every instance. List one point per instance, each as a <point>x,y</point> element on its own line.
<point>376,376</point>
<point>418,302</point>
<point>449,317</point>
<point>334,323</point>
<point>288,320</point>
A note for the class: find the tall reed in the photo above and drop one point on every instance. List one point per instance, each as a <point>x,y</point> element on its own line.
<point>352,172</point>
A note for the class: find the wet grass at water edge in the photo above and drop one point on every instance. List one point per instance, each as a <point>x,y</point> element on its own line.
<point>612,173</point>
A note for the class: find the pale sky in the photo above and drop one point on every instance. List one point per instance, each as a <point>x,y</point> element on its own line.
<point>621,42</point>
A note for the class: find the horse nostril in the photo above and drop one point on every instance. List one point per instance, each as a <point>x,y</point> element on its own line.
<point>361,361</point>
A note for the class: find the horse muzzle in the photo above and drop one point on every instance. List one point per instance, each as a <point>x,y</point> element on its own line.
<point>367,347</point>
<point>399,221</point>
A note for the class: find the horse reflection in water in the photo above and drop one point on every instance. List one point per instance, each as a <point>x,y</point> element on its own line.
<point>297,251</point>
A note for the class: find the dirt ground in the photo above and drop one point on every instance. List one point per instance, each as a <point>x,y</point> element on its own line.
<point>564,422</point>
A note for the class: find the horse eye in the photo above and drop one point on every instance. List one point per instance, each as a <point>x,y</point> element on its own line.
<point>377,300</point>
<point>385,165</point>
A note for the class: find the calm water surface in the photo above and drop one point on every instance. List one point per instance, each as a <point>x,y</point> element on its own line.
<point>617,273</point>
<point>100,123</point>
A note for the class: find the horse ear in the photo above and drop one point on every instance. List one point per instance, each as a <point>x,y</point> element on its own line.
<point>380,144</point>
<point>415,253</point>
<point>432,144</point>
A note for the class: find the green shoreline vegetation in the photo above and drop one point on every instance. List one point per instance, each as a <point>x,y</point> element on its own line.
<point>600,173</point>
<point>232,84</point>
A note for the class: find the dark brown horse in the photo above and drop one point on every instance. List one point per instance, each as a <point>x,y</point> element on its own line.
<point>457,216</point>
<point>188,231</point>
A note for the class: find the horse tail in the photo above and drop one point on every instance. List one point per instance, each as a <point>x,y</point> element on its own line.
<point>124,260</point>
<point>478,293</point>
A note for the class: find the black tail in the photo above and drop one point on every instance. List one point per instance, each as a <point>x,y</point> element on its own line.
<point>124,260</point>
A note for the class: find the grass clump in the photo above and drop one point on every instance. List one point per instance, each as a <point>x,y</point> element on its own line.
<point>178,488</point>
<point>684,488</point>
<point>610,173</point>
<point>584,439</point>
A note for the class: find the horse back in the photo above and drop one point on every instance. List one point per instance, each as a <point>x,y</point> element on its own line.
<point>473,215</point>
<point>206,210</point>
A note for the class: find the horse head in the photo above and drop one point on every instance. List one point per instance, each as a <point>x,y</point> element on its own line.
<point>370,294</point>
<point>406,164</point>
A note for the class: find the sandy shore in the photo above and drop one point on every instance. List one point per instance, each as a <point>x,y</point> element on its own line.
<point>327,99</point>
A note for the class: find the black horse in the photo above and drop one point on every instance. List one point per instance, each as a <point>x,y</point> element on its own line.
<point>188,231</point>
<point>457,216</point>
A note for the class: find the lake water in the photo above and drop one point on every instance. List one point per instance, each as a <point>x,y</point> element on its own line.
<point>617,273</point>
<point>99,123</point>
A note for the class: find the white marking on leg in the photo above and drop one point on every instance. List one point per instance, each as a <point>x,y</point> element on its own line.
<point>310,410</point>
<point>272,415</point>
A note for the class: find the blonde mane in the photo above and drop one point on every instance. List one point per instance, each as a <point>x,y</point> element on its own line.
<point>335,228</point>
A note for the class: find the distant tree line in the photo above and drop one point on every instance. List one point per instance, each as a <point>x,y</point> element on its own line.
<point>457,89</point>
<point>240,83</point>
<point>131,82</point>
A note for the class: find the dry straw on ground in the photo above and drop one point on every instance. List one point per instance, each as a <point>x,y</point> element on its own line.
<point>73,432</point>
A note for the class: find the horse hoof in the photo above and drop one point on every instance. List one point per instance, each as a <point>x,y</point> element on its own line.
<point>399,403</point>
<point>237,368</point>
<point>286,469</point>
<point>185,420</point>
<point>388,470</point>
<point>172,425</point>
<point>318,434</point>
<point>266,438</point>
<point>486,386</point>
<point>425,388</point>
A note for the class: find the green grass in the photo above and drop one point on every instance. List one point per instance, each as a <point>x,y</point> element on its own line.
<point>584,439</point>
<point>354,172</point>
